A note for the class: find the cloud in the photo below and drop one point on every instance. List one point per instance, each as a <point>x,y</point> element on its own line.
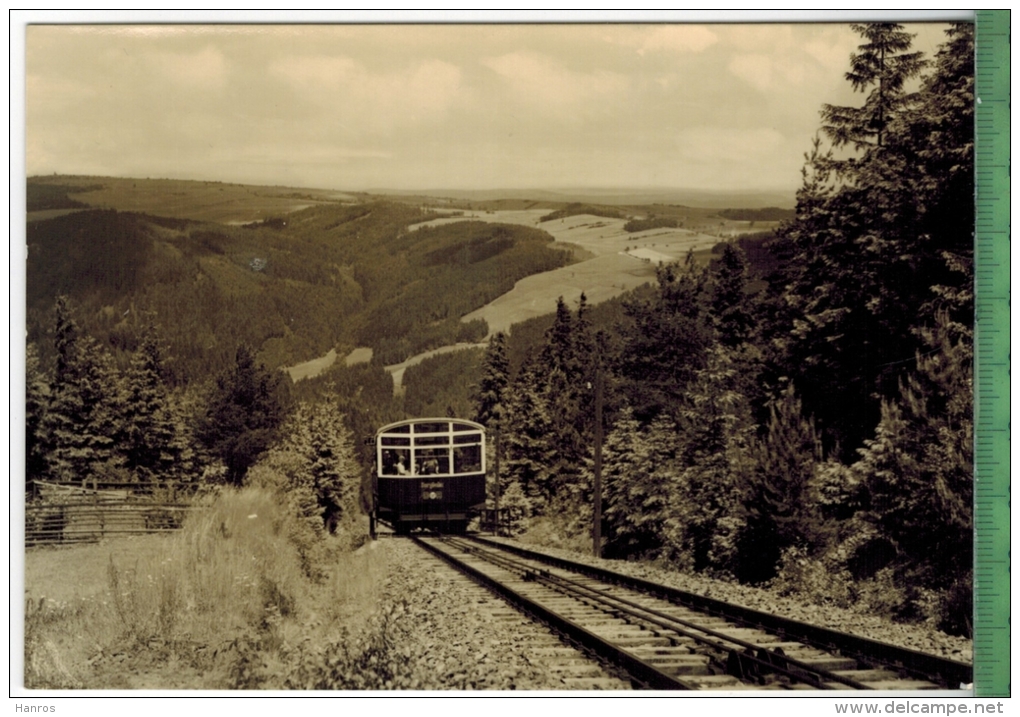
<point>203,70</point>
<point>662,38</point>
<point>678,38</point>
<point>762,37</point>
<point>384,99</point>
<point>832,51</point>
<point>771,72</point>
<point>46,94</point>
<point>538,80</point>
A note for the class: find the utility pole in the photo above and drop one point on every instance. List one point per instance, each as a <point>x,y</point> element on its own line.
<point>496,502</point>
<point>597,512</point>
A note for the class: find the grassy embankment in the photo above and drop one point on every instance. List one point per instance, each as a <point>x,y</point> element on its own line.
<point>223,604</point>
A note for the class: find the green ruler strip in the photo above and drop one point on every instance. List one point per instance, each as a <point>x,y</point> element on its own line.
<point>992,356</point>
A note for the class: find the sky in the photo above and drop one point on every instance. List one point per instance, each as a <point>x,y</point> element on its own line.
<point>355,107</point>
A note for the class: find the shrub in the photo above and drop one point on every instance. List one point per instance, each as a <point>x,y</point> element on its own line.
<point>956,608</point>
<point>881,595</point>
<point>518,506</point>
<point>819,581</point>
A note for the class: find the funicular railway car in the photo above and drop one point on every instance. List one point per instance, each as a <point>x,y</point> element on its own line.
<point>430,473</point>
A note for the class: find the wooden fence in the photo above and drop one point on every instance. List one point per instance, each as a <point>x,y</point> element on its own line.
<point>60,513</point>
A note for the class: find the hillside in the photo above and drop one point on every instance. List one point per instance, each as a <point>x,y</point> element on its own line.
<point>329,276</point>
<point>178,198</point>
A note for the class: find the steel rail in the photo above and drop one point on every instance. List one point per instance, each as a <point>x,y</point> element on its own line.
<point>640,671</point>
<point>756,654</point>
<point>947,673</point>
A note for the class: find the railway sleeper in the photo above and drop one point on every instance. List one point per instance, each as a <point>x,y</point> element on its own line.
<point>598,683</point>
<point>880,679</point>
<point>821,660</point>
<point>616,630</point>
<point>718,682</point>
<point>901,684</point>
<point>638,641</point>
<point>678,664</point>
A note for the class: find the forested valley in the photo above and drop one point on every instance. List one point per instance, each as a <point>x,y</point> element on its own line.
<point>798,414</point>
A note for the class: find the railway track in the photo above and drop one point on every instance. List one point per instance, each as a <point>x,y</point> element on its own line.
<point>667,639</point>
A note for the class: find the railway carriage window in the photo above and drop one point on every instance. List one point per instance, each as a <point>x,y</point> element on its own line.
<point>468,438</point>
<point>467,459</point>
<point>431,440</point>
<point>432,428</point>
<point>433,462</point>
<point>396,463</point>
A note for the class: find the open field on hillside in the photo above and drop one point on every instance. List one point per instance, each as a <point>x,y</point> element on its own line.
<point>621,261</point>
<point>599,279</point>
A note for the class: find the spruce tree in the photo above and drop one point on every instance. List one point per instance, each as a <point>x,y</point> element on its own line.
<point>778,512</point>
<point>918,470</point>
<point>243,414</point>
<point>880,68</point>
<point>713,431</point>
<point>732,309</point>
<point>82,422</point>
<point>149,438</point>
<point>330,474</point>
<point>37,397</point>
<point>528,442</point>
<point>638,469</point>
<point>490,396</point>
<point>666,340</point>
<point>881,237</point>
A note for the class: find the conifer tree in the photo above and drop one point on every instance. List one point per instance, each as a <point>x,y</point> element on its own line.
<point>82,423</point>
<point>881,68</point>
<point>568,360</point>
<point>528,443</point>
<point>918,470</point>
<point>777,510</point>
<point>330,474</point>
<point>37,396</point>
<point>713,431</point>
<point>638,472</point>
<point>732,309</point>
<point>881,236</point>
<point>149,439</point>
<point>666,341</point>
<point>490,397</point>
<point>243,415</point>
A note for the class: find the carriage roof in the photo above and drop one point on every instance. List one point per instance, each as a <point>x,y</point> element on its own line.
<point>458,424</point>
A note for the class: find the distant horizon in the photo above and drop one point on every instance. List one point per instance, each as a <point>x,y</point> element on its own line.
<point>608,194</point>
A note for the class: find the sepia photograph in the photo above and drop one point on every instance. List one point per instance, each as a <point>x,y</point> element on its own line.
<point>497,358</point>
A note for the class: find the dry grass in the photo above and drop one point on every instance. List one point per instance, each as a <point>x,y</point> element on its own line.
<point>171,612</point>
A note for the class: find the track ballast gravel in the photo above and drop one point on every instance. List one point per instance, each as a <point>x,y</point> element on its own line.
<point>462,637</point>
